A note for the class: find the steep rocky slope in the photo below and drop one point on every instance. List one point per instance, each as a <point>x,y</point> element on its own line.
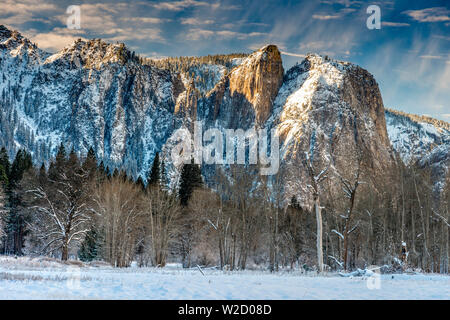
<point>332,110</point>
<point>89,94</point>
<point>421,140</point>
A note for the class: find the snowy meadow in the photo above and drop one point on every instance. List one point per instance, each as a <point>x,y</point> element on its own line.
<point>44,278</point>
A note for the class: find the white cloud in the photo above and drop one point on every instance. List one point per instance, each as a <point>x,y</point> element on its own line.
<point>18,12</point>
<point>394,24</point>
<point>107,21</point>
<point>126,34</point>
<point>200,34</point>
<point>55,40</point>
<point>293,54</point>
<point>441,37</point>
<point>436,14</point>
<point>25,7</point>
<point>179,5</point>
<point>325,17</point>
<point>339,14</point>
<point>346,3</point>
<point>428,56</point>
<point>195,21</point>
<point>149,20</point>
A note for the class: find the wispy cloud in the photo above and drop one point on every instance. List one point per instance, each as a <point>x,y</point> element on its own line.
<point>25,7</point>
<point>54,40</point>
<point>325,16</point>
<point>341,13</point>
<point>186,4</point>
<point>436,14</point>
<point>438,36</point>
<point>394,24</point>
<point>147,20</point>
<point>178,5</point>
<point>200,34</point>
<point>195,21</point>
<point>433,57</point>
<point>346,3</point>
<point>293,54</point>
<point>147,34</point>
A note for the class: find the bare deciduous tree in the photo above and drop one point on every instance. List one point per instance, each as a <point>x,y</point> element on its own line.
<point>161,211</point>
<point>350,187</point>
<point>118,203</point>
<point>316,179</point>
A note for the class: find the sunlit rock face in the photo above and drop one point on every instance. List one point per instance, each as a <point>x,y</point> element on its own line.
<point>334,109</point>
<point>258,80</point>
<point>97,94</point>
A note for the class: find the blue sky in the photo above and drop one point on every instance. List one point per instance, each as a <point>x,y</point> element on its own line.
<point>409,56</point>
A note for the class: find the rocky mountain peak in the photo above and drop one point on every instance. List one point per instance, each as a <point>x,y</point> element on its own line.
<point>258,78</point>
<point>11,39</point>
<point>334,108</point>
<point>13,44</point>
<point>92,54</point>
<point>5,33</point>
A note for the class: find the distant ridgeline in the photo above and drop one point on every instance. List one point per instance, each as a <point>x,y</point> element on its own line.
<point>422,118</point>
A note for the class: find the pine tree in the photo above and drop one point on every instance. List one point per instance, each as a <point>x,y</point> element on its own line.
<point>90,163</point>
<point>108,172</point>
<point>191,178</point>
<point>21,163</point>
<point>154,177</point>
<point>17,219</point>
<point>42,178</point>
<point>102,172</point>
<point>3,177</point>
<point>61,154</point>
<point>90,247</point>
<point>101,168</point>
<point>58,166</point>
<point>73,162</point>
<point>140,183</point>
<point>4,161</point>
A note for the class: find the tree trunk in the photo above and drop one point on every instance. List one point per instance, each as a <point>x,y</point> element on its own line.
<point>319,234</point>
<point>347,227</point>
<point>65,252</point>
<point>221,252</point>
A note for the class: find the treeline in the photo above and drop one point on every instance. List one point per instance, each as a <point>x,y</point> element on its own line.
<point>422,118</point>
<point>185,64</point>
<point>78,209</point>
<point>202,71</point>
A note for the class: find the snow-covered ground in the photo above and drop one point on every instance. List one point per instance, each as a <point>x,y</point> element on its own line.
<point>26,278</point>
